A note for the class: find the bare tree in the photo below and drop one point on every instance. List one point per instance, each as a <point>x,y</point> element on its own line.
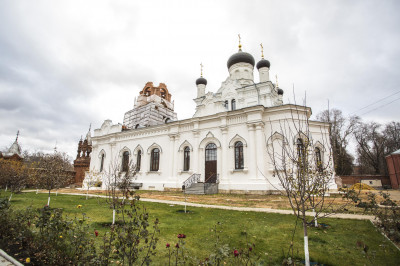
<point>91,178</point>
<point>301,156</point>
<point>341,129</point>
<point>52,171</point>
<point>13,175</point>
<point>118,179</point>
<point>371,145</point>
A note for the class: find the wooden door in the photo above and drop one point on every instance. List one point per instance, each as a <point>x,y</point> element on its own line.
<point>211,163</point>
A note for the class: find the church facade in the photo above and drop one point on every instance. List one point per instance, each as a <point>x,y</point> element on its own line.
<point>226,142</point>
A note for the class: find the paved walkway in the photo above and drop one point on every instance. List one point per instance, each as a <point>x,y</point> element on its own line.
<point>267,210</point>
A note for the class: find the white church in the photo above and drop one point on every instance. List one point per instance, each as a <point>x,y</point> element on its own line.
<point>222,148</point>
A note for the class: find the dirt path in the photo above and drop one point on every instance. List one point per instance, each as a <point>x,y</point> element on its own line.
<point>224,207</point>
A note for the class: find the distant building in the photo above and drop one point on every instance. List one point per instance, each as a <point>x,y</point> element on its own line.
<point>14,152</point>
<point>393,164</point>
<point>82,161</point>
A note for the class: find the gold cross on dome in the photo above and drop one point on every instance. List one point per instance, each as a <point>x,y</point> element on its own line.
<point>262,51</point>
<point>240,45</point>
<point>201,69</point>
<point>276,77</point>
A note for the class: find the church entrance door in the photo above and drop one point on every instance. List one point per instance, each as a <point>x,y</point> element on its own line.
<point>211,163</point>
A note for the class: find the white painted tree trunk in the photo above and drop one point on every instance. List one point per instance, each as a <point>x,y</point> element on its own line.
<point>48,202</point>
<point>306,254</point>
<point>87,193</point>
<point>6,188</point>
<point>56,192</point>
<point>315,218</point>
<point>113,216</point>
<point>37,190</point>
<point>10,197</point>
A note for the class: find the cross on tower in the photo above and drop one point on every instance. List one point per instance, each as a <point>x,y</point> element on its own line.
<point>262,51</point>
<point>240,45</point>
<point>276,77</point>
<point>201,69</point>
<point>16,139</point>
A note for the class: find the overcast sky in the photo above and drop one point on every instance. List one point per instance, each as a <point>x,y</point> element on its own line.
<point>66,64</point>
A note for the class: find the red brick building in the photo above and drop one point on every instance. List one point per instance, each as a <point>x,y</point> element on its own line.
<point>393,164</point>
<point>82,161</point>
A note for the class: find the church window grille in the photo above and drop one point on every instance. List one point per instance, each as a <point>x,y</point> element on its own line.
<point>102,162</point>
<point>211,152</point>
<point>155,159</point>
<point>301,152</point>
<point>318,159</point>
<point>125,161</point>
<point>239,162</point>
<point>186,159</point>
<point>233,104</point>
<point>138,160</point>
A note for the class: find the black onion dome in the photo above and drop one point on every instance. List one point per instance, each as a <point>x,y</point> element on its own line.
<point>201,80</point>
<point>280,91</point>
<point>240,57</point>
<point>263,63</point>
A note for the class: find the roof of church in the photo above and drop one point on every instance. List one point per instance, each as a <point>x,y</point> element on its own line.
<point>201,80</point>
<point>263,63</point>
<point>396,152</point>
<point>240,57</point>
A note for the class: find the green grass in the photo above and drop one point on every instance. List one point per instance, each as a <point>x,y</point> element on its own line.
<point>271,233</point>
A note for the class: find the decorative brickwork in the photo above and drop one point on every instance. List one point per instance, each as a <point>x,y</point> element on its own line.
<point>82,161</point>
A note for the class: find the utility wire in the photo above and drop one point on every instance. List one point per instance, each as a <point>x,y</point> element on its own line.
<point>375,103</point>
<point>380,106</point>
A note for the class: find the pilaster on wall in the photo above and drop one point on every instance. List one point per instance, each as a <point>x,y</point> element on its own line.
<point>253,154</point>
<point>224,146</point>
<point>260,150</point>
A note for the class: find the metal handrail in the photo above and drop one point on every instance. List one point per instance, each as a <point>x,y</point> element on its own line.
<point>190,181</point>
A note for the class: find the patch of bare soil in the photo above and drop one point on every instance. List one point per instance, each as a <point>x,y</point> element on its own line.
<point>238,200</point>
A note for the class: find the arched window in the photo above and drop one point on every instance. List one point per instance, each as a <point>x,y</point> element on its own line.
<point>125,161</point>
<point>137,126</point>
<point>211,152</point>
<point>147,92</point>
<point>239,155</point>
<point>102,162</point>
<point>318,159</point>
<point>186,159</point>
<point>226,105</point>
<point>301,153</point>
<point>138,160</point>
<point>155,159</point>
<point>163,93</point>
<point>233,104</point>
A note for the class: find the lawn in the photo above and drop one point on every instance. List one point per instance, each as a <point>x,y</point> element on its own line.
<point>271,233</point>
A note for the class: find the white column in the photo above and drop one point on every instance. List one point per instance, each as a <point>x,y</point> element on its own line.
<point>175,162</point>
<point>252,152</point>
<point>259,150</point>
<point>170,155</point>
<point>224,158</point>
<point>196,161</point>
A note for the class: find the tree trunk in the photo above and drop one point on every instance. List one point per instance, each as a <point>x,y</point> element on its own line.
<point>306,253</point>
<point>10,197</point>
<point>48,201</point>
<point>113,222</point>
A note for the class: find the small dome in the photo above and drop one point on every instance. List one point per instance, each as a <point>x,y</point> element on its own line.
<point>201,80</point>
<point>280,91</point>
<point>263,63</point>
<point>240,57</point>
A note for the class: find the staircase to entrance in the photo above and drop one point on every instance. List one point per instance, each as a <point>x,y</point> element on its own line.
<point>193,185</point>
